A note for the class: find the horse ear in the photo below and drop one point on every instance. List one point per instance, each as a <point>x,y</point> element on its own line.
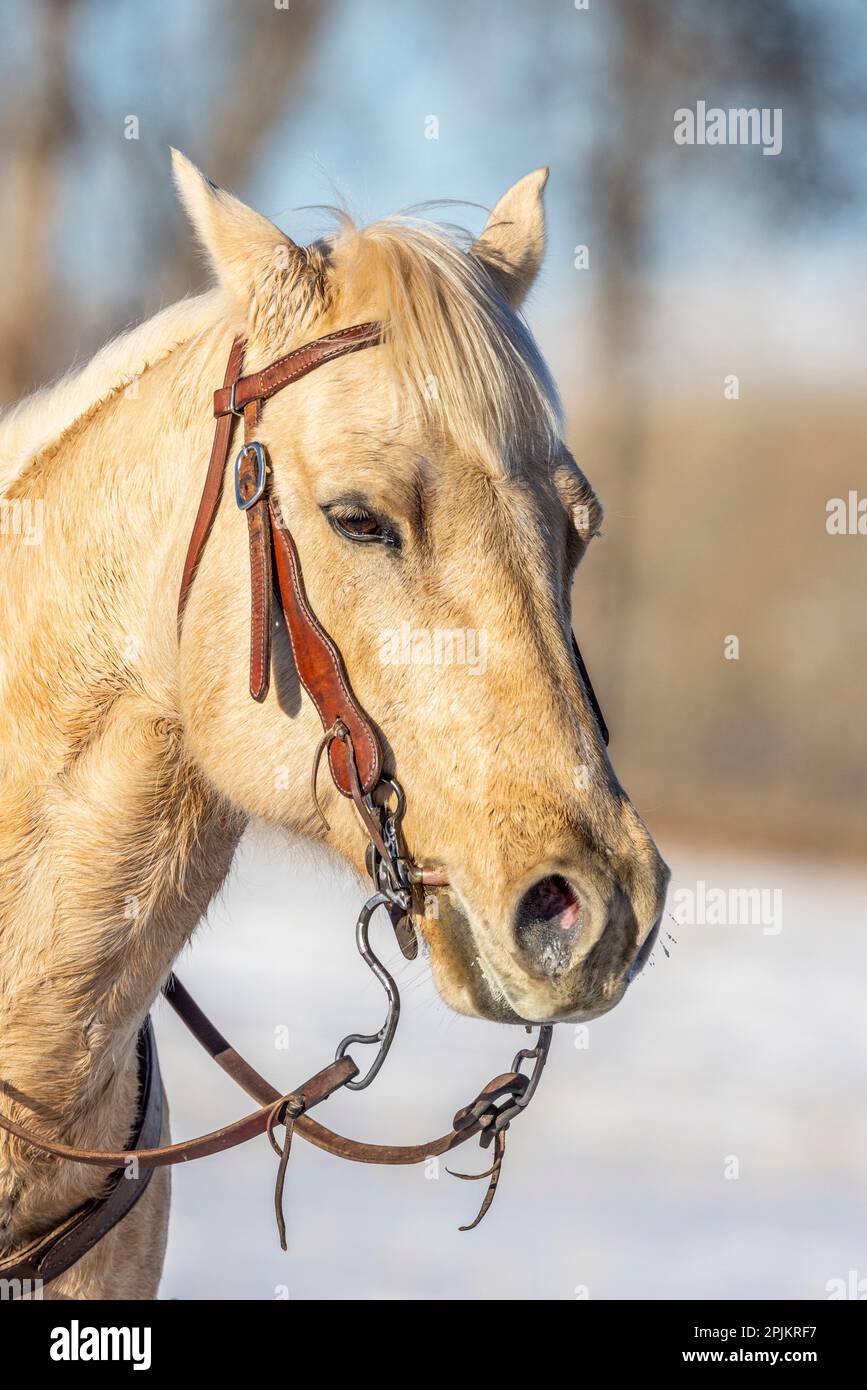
<point>246,250</point>
<point>513,242</point>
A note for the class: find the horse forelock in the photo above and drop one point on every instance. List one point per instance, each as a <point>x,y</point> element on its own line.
<point>461,360</point>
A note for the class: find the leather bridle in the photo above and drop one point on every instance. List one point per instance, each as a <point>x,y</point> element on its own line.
<point>356,764</point>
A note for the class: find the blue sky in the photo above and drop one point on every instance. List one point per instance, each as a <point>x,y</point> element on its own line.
<point>513,85</point>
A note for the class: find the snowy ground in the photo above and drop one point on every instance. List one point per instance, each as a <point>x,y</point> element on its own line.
<point>744,1052</point>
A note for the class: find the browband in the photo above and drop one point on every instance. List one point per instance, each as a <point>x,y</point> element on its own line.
<point>260,386</point>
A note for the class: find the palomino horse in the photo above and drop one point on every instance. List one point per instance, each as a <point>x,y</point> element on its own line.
<point>430,492</point>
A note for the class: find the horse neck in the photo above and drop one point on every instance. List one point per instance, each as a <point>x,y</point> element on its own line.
<point>112,843</point>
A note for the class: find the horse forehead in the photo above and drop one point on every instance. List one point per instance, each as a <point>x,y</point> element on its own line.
<point>491,505</point>
<point>495,493</point>
<point>500,532</point>
<point>364,411</point>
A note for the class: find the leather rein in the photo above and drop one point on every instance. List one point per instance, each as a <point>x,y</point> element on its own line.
<point>355,761</point>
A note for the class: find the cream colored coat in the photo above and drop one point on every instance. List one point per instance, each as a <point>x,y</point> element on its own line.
<point>125,784</point>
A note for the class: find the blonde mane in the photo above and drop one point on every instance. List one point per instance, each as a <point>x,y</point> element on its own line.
<point>460,356</point>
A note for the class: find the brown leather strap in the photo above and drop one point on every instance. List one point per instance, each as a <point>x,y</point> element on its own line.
<point>56,1251</point>
<point>261,385</point>
<point>314,1090</point>
<point>319,664</point>
<point>321,670</point>
<point>213,489</point>
<point>589,691</point>
<point>53,1253</point>
<point>318,1088</point>
<point>208,1036</point>
<point>469,1121</point>
<point>259,541</point>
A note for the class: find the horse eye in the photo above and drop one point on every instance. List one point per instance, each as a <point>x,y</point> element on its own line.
<point>357,524</point>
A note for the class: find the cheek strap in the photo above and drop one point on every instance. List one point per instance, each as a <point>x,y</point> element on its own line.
<point>274,555</point>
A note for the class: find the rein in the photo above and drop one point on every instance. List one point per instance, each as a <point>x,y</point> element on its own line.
<point>355,762</point>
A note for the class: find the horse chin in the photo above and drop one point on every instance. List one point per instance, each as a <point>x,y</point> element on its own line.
<point>474,998</point>
<point>467,983</point>
<point>459,972</point>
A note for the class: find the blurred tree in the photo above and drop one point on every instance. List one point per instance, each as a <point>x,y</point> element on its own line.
<point>256,56</point>
<point>661,55</point>
<point>39,120</point>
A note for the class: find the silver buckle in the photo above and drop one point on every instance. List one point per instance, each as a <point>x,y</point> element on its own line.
<point>245,503</point>
<point>233,409</point>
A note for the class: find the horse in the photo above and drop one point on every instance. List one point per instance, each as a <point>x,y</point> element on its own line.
<point>437,511</point>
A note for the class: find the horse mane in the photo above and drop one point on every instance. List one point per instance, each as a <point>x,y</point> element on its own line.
<point>41,419</point>
<point>459,354</point>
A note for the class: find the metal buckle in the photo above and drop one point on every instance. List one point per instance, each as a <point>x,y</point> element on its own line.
<point>396,867</point>
<point>245,503</point>
<point>233,409</point>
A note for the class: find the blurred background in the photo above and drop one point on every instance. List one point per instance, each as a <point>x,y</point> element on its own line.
<point>704,311</point>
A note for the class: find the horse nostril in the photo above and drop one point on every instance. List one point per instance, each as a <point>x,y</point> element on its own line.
<point>548,920</point>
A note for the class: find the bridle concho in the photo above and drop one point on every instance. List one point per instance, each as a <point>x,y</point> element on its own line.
<point>356,765</point>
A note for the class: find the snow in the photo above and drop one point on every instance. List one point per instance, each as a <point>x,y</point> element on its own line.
<point>741,1054</point>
